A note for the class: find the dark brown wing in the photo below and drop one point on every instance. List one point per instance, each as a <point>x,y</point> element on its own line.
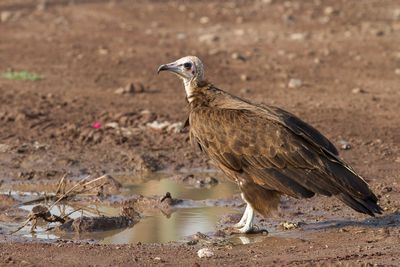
<point>300,127</point>
<point>291,160</point>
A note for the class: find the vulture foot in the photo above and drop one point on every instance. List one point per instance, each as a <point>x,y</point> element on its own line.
<point>246,222</point>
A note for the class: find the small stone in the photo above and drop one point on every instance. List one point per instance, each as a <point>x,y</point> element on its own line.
<point>205,253</point>
<point>204,20</point>
<point>397,71</point>
<point>131,88</point>
<point>182,8</point>
<point>208,38</point>
<point>245,90</point>
<point>175,127</point>
<point>42,6</point>
<point>244,77</point>
<point>238,56</point>
<point>157,259</point>
<point>156,125</point>
<point>396,14</point>
<point>295,83</point>
<point>298,36</point>
<point>348,34</point>
<point>239,32</point>
<point>358,91</point>
<point>23,148</point>
<point>103,51</point>
<point>4,148</point>
<point>5,16</point>
<point>344,145</point>
<point>289,225</point>
<point>181,36</point>
<point>329,10</point>
<point>214,51</point>
<point>378,32</point>
<point>120,91</point>
<point>111,125</point>
<point>39,146</point>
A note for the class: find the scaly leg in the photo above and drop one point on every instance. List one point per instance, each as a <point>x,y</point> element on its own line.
<point>242,221</point>
<point>248,227</point>
<point>245,224</point>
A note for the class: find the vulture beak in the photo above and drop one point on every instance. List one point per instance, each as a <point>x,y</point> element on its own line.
<point>162,67</point>
<point>173,67</point>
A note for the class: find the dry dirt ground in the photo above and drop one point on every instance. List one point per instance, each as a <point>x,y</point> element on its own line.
<point>346,55</point>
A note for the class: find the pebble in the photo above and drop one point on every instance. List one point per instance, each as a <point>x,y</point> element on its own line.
<point>344,145</point>
<point>397,71</point>
<point>245,90</point>
<point>182,8</point>
<point>103,51</point>
<point>289,225</point>
<point>214,51</point>
<point>295,83</point>
<point>244,77</point>
<point>112,125</point>
<point>329,10</point>
<point>131,88</point>
<point>239,32</point>
<point>208,38</point>
<point>396,14</point>
<point>204,20</point>
<point>298,36</point>
<point>358,91</point>
<point>238,56</point>
<point>5,16</point>
<point>181,36</point>
<point>4,148</point>
<point>156,125</point>
<point>166,125</point>
<point>205,253</point>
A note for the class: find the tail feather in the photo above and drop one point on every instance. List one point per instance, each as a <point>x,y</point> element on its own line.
<point>367,206</point>
<point>354,192</point>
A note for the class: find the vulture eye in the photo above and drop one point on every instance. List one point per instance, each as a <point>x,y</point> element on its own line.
<point>187,65</point>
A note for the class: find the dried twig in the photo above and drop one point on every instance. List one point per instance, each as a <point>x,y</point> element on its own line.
<point>43,212</point>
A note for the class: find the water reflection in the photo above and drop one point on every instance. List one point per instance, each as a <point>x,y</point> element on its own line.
<point>157,228</point>
<point>159,186</point>
<point>185,221</point>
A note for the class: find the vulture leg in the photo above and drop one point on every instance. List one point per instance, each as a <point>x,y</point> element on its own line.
<point>246,222</point>
<point>242,221</point>
<point>248,227</point>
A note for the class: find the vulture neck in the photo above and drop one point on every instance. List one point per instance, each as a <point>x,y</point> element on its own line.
<point>190,88</point>
<point>202,94</point>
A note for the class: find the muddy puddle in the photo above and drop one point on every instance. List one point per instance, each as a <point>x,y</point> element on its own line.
<point>202,203</point>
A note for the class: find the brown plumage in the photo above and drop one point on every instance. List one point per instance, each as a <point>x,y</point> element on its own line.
<point>267,151</point>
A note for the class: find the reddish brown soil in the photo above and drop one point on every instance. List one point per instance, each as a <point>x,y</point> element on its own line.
<point>87,49</point>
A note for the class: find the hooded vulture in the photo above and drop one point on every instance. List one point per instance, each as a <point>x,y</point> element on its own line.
<point>267,151</point>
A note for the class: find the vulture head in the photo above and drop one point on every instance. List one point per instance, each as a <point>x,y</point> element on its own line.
<point>189,69</point>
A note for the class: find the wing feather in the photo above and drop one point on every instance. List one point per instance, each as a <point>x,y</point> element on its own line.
<point>287,156</point>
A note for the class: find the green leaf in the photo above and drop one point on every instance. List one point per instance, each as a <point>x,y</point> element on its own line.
<point>21,76</point>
